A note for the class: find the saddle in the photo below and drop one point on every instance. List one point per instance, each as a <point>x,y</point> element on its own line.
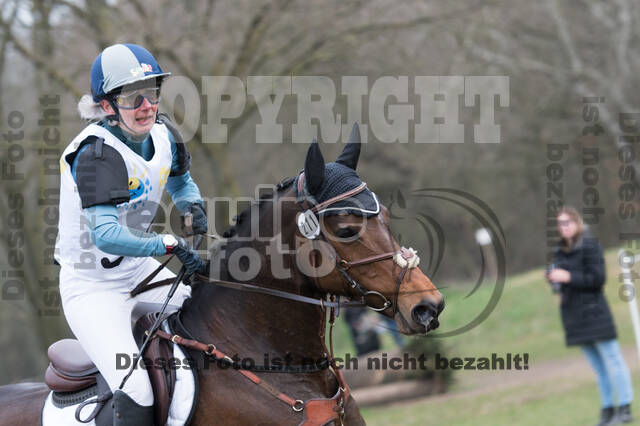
<point>71,371</point>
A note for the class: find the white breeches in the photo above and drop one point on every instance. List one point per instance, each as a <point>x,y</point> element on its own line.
<point>99,314</point>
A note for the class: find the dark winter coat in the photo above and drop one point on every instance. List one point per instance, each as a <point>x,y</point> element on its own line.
<point>585,313</point>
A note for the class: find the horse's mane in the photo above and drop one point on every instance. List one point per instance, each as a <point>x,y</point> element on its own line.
<point>241,218</point>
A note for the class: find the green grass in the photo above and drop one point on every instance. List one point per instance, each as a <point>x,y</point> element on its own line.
<point>526,319</point>
<point>567,403</point>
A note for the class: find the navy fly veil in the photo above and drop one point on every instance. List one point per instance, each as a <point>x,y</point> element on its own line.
<point>339,179</point>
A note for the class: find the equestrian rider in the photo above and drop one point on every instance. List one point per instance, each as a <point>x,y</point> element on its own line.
<point>113,175</point>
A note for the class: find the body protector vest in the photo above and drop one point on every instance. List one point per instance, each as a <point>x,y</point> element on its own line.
<point>107,172</point>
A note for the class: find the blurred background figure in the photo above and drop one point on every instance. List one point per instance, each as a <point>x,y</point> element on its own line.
<point>366,330</point>
<point>578,275</point>
<point>363,334</point>
<point>388,325</point>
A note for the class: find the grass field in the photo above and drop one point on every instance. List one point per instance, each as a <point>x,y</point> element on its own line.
<point>567,403</point>
<point>526,320</point>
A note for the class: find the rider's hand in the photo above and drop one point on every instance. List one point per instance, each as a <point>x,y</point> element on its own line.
<point>200,225</point>
<point>187,255</point>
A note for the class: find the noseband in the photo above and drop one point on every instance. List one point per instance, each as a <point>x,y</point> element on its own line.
<point>309,225</point>
<point>322,409</point>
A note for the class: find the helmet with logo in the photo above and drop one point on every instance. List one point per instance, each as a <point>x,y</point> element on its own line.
<point>122,65</point>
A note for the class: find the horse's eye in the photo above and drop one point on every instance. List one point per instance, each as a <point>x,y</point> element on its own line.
<point>347,232</point>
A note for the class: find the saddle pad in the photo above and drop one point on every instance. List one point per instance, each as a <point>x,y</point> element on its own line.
<point>181,405</point>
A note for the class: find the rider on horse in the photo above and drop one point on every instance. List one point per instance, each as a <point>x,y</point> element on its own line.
<point>113,175</point>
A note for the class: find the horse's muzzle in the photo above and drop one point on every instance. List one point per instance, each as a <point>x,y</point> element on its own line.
<point>426,314</point>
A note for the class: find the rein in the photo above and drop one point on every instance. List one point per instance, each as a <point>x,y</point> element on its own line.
<point>308,224</point>
<point>333,411</point>
<point>255,288</point>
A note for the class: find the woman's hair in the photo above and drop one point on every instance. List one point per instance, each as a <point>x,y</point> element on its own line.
<point>574,216</point>
<point>92,111</point>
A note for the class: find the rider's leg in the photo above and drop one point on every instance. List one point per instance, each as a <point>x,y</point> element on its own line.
<point>101,322</point>
<point>99,314</point>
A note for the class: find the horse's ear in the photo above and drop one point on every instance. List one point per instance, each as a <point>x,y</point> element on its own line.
<point>351,152</point>
<point>314,168</point>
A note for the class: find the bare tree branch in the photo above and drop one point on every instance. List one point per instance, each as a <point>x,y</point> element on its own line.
<point>39,61</point>
<point>623,37</point>
<point>305,60</point>
<point>252,38</point>
<point>565,35</point>
<point>77,10</point>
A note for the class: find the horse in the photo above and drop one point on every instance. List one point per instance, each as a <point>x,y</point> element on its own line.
<point>350,253</point>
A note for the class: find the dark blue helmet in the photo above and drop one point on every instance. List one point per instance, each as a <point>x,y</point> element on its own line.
<point>120,65</point>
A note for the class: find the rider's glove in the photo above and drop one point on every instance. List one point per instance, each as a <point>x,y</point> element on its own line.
<point>187,255</point>
<point>199,224</point>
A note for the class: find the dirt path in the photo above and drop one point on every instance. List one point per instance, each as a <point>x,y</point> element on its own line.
<point>473,383</point>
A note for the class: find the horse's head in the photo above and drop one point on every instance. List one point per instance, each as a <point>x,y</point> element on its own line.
<point>354,237</point>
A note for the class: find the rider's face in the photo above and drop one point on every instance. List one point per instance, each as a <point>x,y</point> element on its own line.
<point>138,121</point>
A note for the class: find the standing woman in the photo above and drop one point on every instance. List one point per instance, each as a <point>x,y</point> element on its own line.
<point>579,270</point>
<point>112,177</point>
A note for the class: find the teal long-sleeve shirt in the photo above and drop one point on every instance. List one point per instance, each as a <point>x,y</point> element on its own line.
<point>113,238</point>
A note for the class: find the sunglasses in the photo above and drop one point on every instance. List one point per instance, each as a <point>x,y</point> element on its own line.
<point>565,223</point>
<point>135,98</point>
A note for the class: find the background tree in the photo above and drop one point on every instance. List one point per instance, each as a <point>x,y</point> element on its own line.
<point>554,53</point>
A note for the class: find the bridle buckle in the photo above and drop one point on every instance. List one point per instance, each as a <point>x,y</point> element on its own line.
<point>298,406</point>
<point>210,349</point>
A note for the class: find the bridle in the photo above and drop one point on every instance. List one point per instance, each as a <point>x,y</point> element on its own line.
<point>309,225</point>
<point>322,409</point>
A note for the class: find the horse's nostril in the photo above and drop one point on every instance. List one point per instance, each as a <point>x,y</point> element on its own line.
<point>421,314</point>
<point>434,324</point>
<point>426,314</point>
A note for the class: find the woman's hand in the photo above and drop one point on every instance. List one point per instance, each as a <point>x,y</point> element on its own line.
<point>185,253</point>
<point>559,276</point>
<point>199,217</point>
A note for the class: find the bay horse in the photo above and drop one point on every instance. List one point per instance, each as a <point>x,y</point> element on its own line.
<point>360,260</point>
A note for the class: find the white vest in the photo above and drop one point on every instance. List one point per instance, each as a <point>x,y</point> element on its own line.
<point>75,251</point>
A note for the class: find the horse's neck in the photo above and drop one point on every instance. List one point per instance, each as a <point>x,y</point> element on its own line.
<point>251,323</point>
<point>254,325</point>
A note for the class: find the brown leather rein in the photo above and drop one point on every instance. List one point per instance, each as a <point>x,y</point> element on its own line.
<point>318,411</point>
<point>342,265</point>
